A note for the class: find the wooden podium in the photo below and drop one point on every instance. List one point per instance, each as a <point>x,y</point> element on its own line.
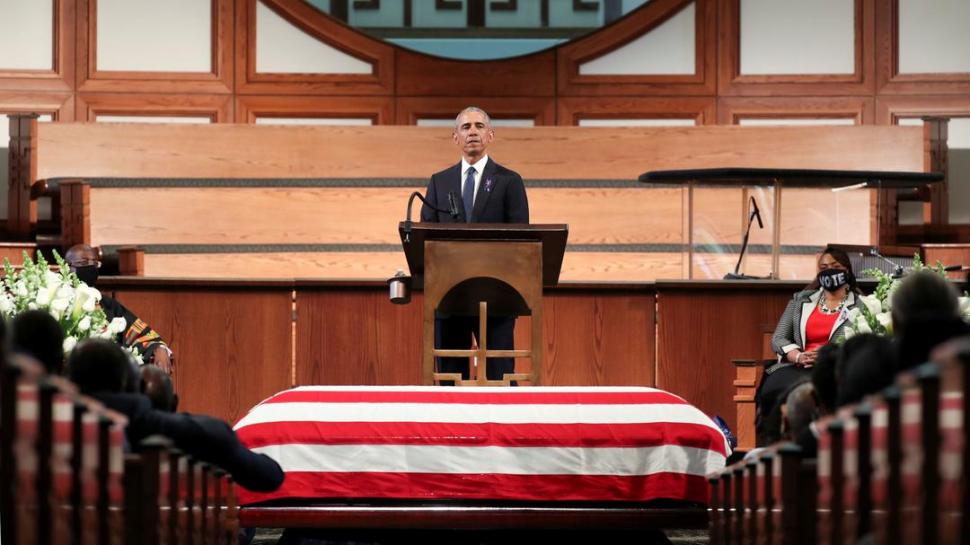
<point>481,268</point>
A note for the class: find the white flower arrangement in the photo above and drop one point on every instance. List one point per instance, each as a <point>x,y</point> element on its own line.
<point>874,314</point>
<point>71,302</point>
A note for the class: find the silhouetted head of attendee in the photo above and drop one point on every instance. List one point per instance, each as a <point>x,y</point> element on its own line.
<point>84,262</point>
<point>925,311</point>
<point>800,410</point>
<point>866,365</point>
<point>834,259</point>
<point>37,334</point>
<point>823,378</point>
<point>99,366</point>
<point>156,384</point>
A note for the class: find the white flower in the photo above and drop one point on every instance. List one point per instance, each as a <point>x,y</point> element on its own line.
<point>885,319</point>
<point>84,324</point>
<point>20,288</point>
<point>872,303</point>
<point>6,305</point>
<point>58,306</point>
<point>69,344</point>
<point>965,307</point>
<point>43,297</point>
<point>854,314</point>
<point>863,327</point>
<point>849,332</point>
<point>86,299</point>
<point>117,325</point>
<point>31,306</point>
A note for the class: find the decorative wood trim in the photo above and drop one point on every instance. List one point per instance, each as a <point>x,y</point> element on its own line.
<point>570,56</point>
<point>424,75</point>
<point>61,77</point>
<point>59,104</point>
<point>888,78</point>
<point>572,109</point>
<point>218,108</point>
<point>21,209</point>
<point>410,109</point>
<point>378,109</point>
<point>131,261</point>
<point>218,80</point>
<point>324,28</point>
<point>731,109</point>
<point>75,213</point>
<point>732,83</point>
<point>890,109</point>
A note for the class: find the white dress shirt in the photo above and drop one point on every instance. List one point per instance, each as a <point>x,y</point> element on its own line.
<point>479,168</point>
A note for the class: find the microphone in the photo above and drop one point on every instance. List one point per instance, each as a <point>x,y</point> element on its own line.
<point>407,219</point>
<point>757,213</point>
<point>897,268</point>
<point>453,204</point>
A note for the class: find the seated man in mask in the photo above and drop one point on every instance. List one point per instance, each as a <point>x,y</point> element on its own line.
<point>84,262</point>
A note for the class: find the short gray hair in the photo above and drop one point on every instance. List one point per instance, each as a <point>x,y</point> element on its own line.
<point>488,120</point>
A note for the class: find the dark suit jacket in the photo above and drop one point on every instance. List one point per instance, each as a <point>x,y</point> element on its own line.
<point>202,437</point>
<point>500,199</point>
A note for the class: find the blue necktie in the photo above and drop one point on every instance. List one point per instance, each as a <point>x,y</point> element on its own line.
<point>468,193</point>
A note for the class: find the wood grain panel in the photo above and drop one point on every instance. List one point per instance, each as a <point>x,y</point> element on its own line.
<point>573,109</point>
<point>890,109</point>
<point>61,77</point>
<point>418,74</point>
<point>14,251</point>
<point>356,336</point>
<point>289,215</point>
<point>732,83</point>
<point>860,109</point>
<point>703,82</point>
<point>541,110</point>
<point>218,108</point>
<point>317,24</point>
<point>889,80</point>
<point>60,105</point>
<point>948,254</point>
<point>249,151</point>
<point>699,332</point>
<point>232,346</point>
<point>380,110</point>
<point>218,80</point>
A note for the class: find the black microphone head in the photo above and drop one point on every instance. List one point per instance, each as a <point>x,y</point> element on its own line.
<point>453,208</point>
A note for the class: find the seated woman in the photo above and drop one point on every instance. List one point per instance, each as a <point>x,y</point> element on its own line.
<point>814,317</point>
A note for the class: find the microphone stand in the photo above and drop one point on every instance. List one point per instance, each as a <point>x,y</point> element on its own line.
<point>407,219</point>
<point>897,268</point>
<point>744,247</point>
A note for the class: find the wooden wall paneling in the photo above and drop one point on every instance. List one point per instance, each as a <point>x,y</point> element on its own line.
<point>380,110</point>
<point>232,346</point>
<point>595,337</point>
<point>573,109</point>
<point>316,23</point>
<point>423,75</point>
<point>699,332</point>
<point>59,104</point>
<point>61,77</point>
<point>732,83</point>
<point>541,110</point>
<point>218,80</point>
<point>356,336</point>
<point>21,208</point>
<point>14,251</point>
<point>890,109</point>
<point>860,109</point>
<point>889,80</point>
<point>322,264</point>
<point>218,107</point>
<point>703,82</point>
<point>75,213</point>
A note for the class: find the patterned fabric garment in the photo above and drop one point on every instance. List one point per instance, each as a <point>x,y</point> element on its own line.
<point>137,333</point>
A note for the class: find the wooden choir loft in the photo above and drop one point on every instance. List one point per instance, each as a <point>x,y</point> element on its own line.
<point>245,198</point>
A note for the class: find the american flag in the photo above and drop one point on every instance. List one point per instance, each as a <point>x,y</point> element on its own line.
<point>518,444</point>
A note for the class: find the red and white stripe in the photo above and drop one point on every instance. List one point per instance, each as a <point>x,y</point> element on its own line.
<point>539,444</point>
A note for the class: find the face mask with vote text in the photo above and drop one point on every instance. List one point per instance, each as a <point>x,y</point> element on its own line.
<point>833,279</point>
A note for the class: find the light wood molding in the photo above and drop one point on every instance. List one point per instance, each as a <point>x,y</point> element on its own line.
<point>324,28</point>
<point>540,109</point>
<point>571,55</point>
<point>218,108</point>
<point>218,80</point>
<point>890,109</point>
<point>889,80</point>
<point>61,77</point>
<point>731,109</point>
<point>60,105</point>
<point>378,109</point>
<point>573,109</point>
<point>418,74</point>
<point>732,83</point>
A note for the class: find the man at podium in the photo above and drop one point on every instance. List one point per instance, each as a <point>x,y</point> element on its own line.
<point>483,192</point>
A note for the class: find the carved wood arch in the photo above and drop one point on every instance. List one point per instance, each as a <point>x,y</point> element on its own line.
<point>636,24</point>
<point>328,31</point>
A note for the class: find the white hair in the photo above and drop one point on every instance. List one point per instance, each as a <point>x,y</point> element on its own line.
<point>488,120</point>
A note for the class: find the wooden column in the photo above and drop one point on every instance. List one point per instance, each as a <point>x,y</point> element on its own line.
<point>21,209</point>
<point>935,132</point>
<point>75,213</point>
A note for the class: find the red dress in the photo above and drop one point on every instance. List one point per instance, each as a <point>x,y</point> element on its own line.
<point>818,328</point>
